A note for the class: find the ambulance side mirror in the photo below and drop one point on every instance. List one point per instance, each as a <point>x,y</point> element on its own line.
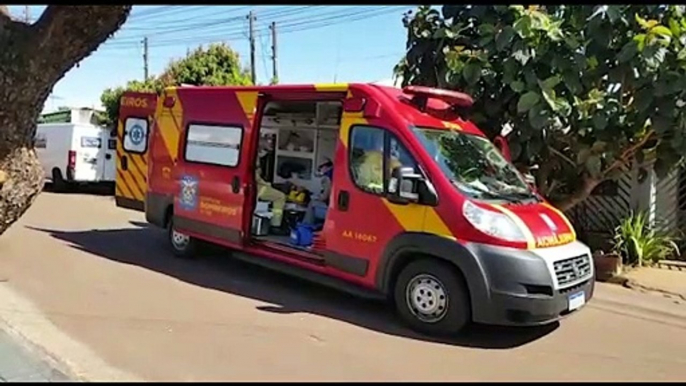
<point>406,186</point>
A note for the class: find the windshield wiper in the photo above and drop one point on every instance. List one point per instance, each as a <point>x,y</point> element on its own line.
<point>520,196</point>
<point>508,196</point>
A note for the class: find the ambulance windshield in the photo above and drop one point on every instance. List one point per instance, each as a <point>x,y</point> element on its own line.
<point>474,165</point>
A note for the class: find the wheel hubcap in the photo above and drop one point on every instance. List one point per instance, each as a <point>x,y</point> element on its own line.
<point>179,240</point>
<point>427,298</point>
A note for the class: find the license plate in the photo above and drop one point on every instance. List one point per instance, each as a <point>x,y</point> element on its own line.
<point>577,300</point>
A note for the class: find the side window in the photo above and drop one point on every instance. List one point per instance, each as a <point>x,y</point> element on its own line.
<point>135,135</point>
<point>213,144</point>
<point>367,162</point>
<point>366,158</point>
<point>400,156</point>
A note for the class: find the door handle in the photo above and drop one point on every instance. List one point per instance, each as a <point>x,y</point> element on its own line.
<point>236,185</point>
<point>124,163</point>
<point>343,200</point>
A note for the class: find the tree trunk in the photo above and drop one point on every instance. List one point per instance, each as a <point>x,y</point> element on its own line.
<point>32,59</point>
<point>579,195</point>
<point>23,179</point>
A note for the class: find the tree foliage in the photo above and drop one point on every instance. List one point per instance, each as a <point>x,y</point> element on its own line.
<point>218,65</point>
<point>110,99</point>
<point>587,89</point>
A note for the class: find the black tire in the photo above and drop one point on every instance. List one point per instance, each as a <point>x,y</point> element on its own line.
<point>441,316</point>
<point>59,185</point>
<point>186,250</point>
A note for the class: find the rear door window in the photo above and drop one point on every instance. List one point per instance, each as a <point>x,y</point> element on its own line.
<point>91,142</point>
<point>135,135</point>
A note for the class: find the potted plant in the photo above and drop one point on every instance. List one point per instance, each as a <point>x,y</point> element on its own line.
<point>640,244</point>
<point>607,265</point>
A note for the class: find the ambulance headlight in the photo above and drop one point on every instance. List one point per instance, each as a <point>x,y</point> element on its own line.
<point>492,223</point>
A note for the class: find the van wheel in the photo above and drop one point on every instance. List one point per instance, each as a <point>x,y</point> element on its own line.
<point>59,185</point>
<point>181,244</point>
<point>432,298</point>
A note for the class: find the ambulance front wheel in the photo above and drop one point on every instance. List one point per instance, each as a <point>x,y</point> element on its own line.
<point>432,298</point>
<point>182,245</point>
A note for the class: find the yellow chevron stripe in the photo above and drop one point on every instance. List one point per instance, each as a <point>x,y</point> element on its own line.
<point>248,101</point>
<point>121,184</point>
<point>169,122</point>
<point>133,187</point>
<point>142,167</point>
<point>419,218</point>
<point>347,121</point>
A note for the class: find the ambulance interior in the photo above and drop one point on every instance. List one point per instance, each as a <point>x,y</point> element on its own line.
<point>294,171</point>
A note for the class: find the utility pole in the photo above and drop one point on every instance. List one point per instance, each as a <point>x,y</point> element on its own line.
<point>251,23</point>
<point>145,58</point>
<point>275,72</point>
<point>27,14</point>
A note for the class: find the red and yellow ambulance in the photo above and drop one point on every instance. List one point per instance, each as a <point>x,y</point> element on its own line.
<point>423,209</point>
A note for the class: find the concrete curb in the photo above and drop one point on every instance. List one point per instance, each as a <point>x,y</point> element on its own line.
<point>20,318</point>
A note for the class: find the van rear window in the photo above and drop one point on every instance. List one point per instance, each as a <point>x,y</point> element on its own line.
<point>91,142</point>
<point>135,138</point>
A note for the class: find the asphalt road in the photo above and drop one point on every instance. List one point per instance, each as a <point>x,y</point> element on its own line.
<point>96,288</point>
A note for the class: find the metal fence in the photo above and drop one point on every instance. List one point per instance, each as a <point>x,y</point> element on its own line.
<point>670,206</point>
<point>605,208</point>
<point>664,199</point>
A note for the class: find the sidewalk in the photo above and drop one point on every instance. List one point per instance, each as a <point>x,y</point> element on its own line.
<point>19,364</point>
<point>672,282</point>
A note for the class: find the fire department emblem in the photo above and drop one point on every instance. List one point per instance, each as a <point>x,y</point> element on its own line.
<point>188,198</point>
<point>137,134</point>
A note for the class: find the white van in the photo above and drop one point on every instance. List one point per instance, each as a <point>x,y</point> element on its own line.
<point>76,153</point>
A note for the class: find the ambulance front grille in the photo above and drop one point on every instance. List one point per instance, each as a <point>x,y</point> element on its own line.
<point>572,270</point>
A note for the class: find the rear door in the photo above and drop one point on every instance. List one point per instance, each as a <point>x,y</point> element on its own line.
<point>133,135</point>
<point>87,144</point>
<point>213,163</point>
<point>109,155</point>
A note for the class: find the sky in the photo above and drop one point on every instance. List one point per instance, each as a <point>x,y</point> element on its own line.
<point>315,44</point>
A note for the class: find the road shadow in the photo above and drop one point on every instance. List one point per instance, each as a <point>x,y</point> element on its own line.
<point>145,246</point>
<point>99,189</point>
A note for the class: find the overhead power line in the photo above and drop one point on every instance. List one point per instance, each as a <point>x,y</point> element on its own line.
<point>278,16</point>
<point>232,32</point>
<point>183,22</point>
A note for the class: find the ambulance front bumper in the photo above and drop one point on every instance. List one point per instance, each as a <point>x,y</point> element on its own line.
<point>532,287</point>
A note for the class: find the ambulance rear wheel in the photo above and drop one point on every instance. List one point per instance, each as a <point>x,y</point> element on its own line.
<point>432,298</point>
<point>182,245</point>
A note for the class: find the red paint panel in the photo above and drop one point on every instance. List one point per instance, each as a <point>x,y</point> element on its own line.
<point>545,225</point>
